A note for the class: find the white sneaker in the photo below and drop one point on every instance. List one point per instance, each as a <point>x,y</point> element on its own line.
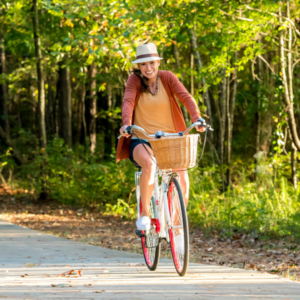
<point>179,243</point>
<point>143,223</point>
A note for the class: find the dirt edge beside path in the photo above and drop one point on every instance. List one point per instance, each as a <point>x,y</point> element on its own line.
<point>280,257</point>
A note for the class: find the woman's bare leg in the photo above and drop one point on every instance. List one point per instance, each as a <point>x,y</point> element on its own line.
<point>185,187</point>
<point>184,183</point>
<point>141,156</point>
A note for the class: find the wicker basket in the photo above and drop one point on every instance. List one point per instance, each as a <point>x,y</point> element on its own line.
<point>175,152</point>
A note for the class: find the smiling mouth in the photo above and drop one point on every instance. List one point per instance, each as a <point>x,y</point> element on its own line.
<point>148,73</point>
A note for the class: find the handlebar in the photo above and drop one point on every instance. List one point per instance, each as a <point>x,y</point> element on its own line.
<point>200,122</point>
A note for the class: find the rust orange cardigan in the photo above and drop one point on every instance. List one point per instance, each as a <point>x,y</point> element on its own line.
<point>173,88</point>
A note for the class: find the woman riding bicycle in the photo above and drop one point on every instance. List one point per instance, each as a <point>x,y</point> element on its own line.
<point>149,102</point>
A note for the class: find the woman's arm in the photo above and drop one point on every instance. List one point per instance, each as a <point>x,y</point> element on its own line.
<point>178,89</point>
<point>130,94</point>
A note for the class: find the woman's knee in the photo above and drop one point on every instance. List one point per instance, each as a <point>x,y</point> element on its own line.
<point>148,166</point>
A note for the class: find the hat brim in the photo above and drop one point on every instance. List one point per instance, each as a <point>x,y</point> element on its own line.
<point>141,60</point>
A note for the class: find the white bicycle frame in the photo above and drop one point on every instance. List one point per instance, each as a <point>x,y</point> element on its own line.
<point>160,205</point>
<point>161,209</point>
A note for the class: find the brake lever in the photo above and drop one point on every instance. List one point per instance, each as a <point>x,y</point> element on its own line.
<point>209,128</point>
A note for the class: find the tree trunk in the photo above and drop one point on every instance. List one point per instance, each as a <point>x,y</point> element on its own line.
<point>32,97</point>
<point>65,105</point>
<point>51,108</point>
<point>203,81</point>
<point>57,105</point>
<point>110,98</point>
<point>222,121</point>
<point>288,93</point>
<point>258,128</point>
<point>41,84</point>
<point>3,93</point>
<point>290,72</point>
<point>192,74</point>
<point>92,107</point>
<point>294,166</point>
<point>230,118</point>
<point>176,55</point>
<point>258,112</point>
<point>81,125</point>
<point>222,115</point>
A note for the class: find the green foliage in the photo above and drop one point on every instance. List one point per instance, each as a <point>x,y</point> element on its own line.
<point>121,209</point>
<point>269,205</point>
<point>264,206</point>
<point>82,32</point>
<point>77,178</point>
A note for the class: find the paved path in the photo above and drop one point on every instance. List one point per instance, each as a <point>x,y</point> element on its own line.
<point>109,274</point>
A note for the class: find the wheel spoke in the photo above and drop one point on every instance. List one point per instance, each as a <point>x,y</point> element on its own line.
<point>150,244</point>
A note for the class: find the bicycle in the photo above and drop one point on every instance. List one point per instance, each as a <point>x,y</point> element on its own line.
<point>167,211</point>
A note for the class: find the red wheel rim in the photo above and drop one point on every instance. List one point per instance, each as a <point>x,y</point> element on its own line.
<point>145,250</point>
<point>170,194</point>
<point>146,254</point>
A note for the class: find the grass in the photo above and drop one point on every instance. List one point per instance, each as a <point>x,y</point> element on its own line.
<point>265,207</point>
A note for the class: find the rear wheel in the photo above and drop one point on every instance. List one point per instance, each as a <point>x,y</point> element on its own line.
<point>151,243</point>
<point>179,231</point>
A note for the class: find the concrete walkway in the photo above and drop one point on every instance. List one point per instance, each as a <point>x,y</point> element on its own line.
<point>30,262</point>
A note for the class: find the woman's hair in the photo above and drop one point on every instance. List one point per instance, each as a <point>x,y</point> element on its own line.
<point>144,80</point>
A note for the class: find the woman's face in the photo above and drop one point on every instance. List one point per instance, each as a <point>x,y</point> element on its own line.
<point>149,69</point>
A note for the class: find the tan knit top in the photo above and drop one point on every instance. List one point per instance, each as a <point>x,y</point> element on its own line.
<point>153,113</point>
<point>173,87</point>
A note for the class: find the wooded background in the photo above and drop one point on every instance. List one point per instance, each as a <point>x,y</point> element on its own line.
<point>64,66</point>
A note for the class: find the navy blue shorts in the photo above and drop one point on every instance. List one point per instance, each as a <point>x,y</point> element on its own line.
<point>132,145</point>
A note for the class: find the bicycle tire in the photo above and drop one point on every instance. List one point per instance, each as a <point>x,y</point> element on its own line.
<point>176,202</point>
<point>151,255</point>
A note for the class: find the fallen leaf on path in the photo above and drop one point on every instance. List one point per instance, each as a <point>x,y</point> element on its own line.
<point>30,265</point>
<point>62,285</point>
<point>71,273</point>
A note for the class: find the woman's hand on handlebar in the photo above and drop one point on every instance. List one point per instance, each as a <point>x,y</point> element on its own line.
<point>122,129</point>
<point>200,128</point>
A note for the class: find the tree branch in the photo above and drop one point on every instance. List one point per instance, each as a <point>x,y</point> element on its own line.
<point>266,63</point>
<point>294,64</point>
<point>275,15</point>
<point>235,17</point>
<point>252,69</point>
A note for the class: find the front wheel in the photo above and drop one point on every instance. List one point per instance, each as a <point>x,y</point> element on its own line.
<point>179,231</point>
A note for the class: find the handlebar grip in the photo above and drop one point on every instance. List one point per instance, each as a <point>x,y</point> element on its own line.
<point>204,124</point>
<point>128,129</point>
<point>202,121</point>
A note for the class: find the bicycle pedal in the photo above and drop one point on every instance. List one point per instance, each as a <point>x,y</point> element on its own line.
<point>139,233</point>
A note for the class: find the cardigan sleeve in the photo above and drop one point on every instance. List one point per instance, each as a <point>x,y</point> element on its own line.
<point>130,94</point>
<point>184,96</point>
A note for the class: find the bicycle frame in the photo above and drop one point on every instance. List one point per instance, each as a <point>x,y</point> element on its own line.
<point>160,203</point>
<point>165,208</point>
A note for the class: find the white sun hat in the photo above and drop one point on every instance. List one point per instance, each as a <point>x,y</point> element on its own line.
<point>147,52</point>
